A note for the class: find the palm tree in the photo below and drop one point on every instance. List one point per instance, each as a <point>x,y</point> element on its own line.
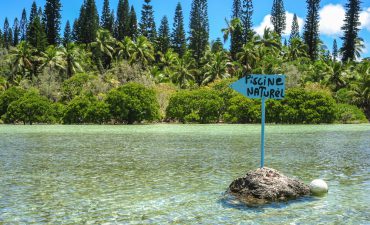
<point>248,56</point>
<point>52,58</point>
<point>142,51</point>
<point>361,88</point>
<point>124,50</point>
<point>216,68</point>
<point>231,26</point>
<point>297,49</point>
<point>335,74</point>
<point>22,58</point>
<point>104,47</point>
<point>167,62</point>
<point>183,73</point>
<point>72,57</point>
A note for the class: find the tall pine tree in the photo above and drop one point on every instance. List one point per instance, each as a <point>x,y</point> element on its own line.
<point>7,36</point>
<point>16,32</point>
<point>52,19</point>
<point>23,26</point>
<point>36,34</point>
<point>350,30</point>
<point>278,18</point>
<point>199,28</point>
<point>311,28</point>
<point>147,26</point>
<point>246,19</point>
<point>67,37</point>
<point>237,39</point>
<point>107,19</point>
<point>33,14</point>
<point>178,38</point>
<point>295,28</point>
<point>88,22</point>
<point>132,27</point>
<point>335,50</point>
<point>163,41</point>
<point>122,20</point>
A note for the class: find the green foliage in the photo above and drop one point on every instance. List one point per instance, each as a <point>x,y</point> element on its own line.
<point>88,22</point>
<point>350,30</point>
<point>311,28</point>
<point>350,114</point>
<point>31,108</point>
<point>178,38</point>
<point>302,106</point>
<point>163,40</point>
<point>147,26</point>
<point>199,28</point>
<point>77,85</point>
<point>52,19</point>
<point>243,110</point>
<point>278,18</point>
<point>200,106</point>
<point>122,29</point>
<point>132,103</point>
<point>7,97</point>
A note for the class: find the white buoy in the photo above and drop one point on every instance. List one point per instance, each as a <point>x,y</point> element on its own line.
<point>318,187</point>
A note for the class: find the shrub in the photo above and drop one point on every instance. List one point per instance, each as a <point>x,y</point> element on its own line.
<point>10,95</point>
<point>76,85</point>
<point>31,108</point>
<point>132,103</point>
<point>243,110</point>
<point>202,106</point>
<point>350,114</point>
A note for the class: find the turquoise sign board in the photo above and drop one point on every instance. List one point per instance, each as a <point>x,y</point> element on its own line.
<point>259,86</point>
<point>263,87</point>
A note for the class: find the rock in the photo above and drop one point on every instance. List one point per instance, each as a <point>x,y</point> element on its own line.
<point>266,185</point>
<point>318,187</point>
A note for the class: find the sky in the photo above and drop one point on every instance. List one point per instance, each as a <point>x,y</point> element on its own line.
<point>331,15</point>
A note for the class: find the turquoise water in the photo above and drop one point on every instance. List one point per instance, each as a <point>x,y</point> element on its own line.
<point>177,174</point>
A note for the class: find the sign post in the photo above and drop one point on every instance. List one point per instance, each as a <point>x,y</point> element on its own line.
<point>264,87</point>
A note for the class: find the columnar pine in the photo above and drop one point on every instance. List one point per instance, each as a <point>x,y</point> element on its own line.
<point>335,50</point>
<point>163,40</point>
<point>67,37</point>
<point>178,38</point>
<point>7,36</point>
<point>311,28</point>
<point>246,19</point>
<point>88,22</point>
<point>350,30</point>
<point>122,20</point>
<point>132,27</point>
<point>75,30</point>
<point>278,17</point>
<point>1,39</point>
<point>199,28</point>
<point>107,20</point>
<point>295,28</point>
<point>237,39</point>
<point>52,19</point>
<point>23,26</point>
<point>33,13</point>
<point>16,32</point>
<point>147,24</point>
<point>36,34</point>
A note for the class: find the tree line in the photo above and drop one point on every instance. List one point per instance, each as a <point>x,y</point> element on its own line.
<point>115,48</point>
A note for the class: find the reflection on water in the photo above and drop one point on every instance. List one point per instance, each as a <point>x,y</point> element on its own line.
<point>177,174</point>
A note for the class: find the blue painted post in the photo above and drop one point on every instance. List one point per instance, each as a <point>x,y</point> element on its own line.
<point>263,133</point>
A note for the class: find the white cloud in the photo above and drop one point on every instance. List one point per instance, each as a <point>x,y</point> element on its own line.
<point>331,19</point>
<point>365,19</point>
<point>266,23</point>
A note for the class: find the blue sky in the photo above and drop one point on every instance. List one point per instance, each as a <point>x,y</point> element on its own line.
<point>332,13</point>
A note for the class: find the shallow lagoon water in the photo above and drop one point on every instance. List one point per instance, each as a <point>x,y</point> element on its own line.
<point>177,174</point>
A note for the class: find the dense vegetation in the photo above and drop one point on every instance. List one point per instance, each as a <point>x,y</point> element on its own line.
<point>112,69</point>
